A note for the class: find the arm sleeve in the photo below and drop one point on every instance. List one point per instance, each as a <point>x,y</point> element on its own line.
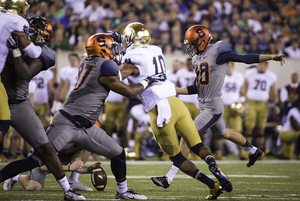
<point>47,57</point>
<point>192,89</point>
<point>109,68</point>
<point>232,56</point>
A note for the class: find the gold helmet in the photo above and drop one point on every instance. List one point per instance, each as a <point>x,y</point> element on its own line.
<point>140,33</point>
<point>238,109</point>
<point>19,7</point>
<point>104,46</point>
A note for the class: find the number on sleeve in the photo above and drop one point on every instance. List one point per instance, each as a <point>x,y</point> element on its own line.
<point>84,71</point>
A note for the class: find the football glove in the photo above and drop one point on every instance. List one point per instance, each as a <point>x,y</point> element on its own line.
<point>159,77</point>
<point>12,42</point>
<point>39,41</point>
<point>115,35</point>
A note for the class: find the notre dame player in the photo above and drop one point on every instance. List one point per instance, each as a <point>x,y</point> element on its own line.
<point>16,76</point>
<point>12,21</point>
<point>167,113</point>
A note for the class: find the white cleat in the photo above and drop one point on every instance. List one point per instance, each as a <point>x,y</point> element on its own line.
<point>130,195</point>
<point>8,184</point>
<point>71,195</point>
<point>77,186</point>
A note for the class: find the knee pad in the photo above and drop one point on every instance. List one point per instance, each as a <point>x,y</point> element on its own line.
<point>118,166</point>
<point>178,159</point>
<point>197,147</point>
<point>4,126</point>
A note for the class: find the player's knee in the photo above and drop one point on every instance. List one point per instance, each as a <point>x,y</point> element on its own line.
<point>178,159</point>
<point>4,126</point>
<point>45,150</point>
<point>197,147</point>
<point>34,186</point>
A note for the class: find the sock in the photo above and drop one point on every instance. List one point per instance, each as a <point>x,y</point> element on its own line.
<point>16,178</point>
<point>19,152</point>
<point>73,177</point>
<point>249,147</point>
<point>209,159</point>
<point>122,186</point>
<point>204,179</point>
<point>64,184</point>
<point>171,174</point>
<point>6,153</point>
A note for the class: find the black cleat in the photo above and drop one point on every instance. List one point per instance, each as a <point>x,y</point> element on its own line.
<point>221,176</point>
<point>253,157</point>
<point>161,181</point>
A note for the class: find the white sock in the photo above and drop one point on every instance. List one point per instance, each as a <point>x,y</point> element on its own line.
<point>64,184</point>
<point>251,150</point>
<point>73,177</point>
<point>16,178</point>
<point>171,174</point>
<point>122,186</point>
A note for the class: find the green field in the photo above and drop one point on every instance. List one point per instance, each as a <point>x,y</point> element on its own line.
<point>266,180</point>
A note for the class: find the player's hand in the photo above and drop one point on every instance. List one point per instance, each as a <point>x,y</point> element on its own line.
<point>76,165</point>
<point>278,57</point>
<point>115,35</point>
<point>39,41</point>
<point>159,77</point>
<point>94,166</point>
<point>12,42</point>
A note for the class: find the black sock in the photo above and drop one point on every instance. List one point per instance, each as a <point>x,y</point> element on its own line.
<point>209,159</point>
<point>204,179</point>
<point>16,167</point>
<point>6,153</point>
<point>247,144</point>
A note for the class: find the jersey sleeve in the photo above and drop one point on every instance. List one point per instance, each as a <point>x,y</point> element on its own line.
<point>109,68</point>
<point>47,57</point>
<point>223,47</point>
<point>232,56</point>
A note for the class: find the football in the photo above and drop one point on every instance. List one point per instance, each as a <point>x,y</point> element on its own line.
<point>99,178</point>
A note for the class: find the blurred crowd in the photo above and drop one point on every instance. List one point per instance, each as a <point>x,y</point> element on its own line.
<point>251,26</point>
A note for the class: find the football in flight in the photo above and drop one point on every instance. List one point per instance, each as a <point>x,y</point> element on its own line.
<point>99,178</point>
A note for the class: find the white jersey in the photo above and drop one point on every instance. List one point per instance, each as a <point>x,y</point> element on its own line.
<point>259,84</point>
<point>114,97</point>
<point>32,87</point>
<point>149,60</point>
<point>42,79</point>
<point>231,87</point>
<point>69,73</point>
<point>187,78</point>
<point>9,23</point>
<point>296,114</point>
<point>141,116</point>
<point>172,76</point>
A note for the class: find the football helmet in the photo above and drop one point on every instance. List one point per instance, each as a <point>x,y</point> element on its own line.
<point>19,7</point>
<point>138,32</point>
<point>196,39</point>
<point>39,26</point>
<point>104,46</point>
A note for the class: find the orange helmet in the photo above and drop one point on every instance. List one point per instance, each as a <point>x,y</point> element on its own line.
<point>39,26</point>
<point>104,46</point>
<point>196,38</point>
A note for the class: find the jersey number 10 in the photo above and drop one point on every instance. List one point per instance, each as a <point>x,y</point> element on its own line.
<point>162,65</point>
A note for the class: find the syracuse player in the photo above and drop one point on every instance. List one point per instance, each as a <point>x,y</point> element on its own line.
<point>12,21</point>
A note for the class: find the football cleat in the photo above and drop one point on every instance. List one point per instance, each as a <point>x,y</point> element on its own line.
<point>8,184</point>
<point>161,181</point>
<point>253,157</point>
<point>77,186</point>
<point>221,176</point>
<point>71,195</point>
<point>130,195</point>
<point>215,192</point>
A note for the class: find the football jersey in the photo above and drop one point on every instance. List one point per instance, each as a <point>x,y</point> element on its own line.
<point>149,60</point>
<point>259,84</point>
<point>296,114</point>
<point>9,23</point>
<point>69,73</point>
<point>171,76</point>
<point>41,93</point>
<point>141,116</point>
<point>88,95</point>
<point>17,89</point>
<point>186,78</point>
<point>231,87</point>
<point>210,75</point>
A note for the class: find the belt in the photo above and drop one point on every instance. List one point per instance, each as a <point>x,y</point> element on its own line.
<point>207,100</point>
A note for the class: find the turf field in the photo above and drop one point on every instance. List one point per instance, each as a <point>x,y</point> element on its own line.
<point>266,180</point>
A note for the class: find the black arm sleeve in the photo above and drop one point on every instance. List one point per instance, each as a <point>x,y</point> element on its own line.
<point>232,56</point>
<point>192,89</point>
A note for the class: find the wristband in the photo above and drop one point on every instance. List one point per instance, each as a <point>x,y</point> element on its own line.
<point>69,167</point>
<point>144,83</point>
<point>16,52</point>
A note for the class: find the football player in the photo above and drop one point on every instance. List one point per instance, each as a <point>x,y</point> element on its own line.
<point>16,75</point>
<point>210,64</point>
<point>12,21</point>
<point>74,123</point>
<point>167,113</point>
